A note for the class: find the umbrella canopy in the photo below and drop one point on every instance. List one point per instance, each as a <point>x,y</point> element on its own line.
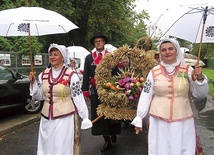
<point>32,21</point>
<point>110,47</point>
<point>38,21</point>
<point>78,53</point>
<point>189,23</point>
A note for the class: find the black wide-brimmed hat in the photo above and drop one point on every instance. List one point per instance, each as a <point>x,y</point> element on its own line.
<point>98,35</point>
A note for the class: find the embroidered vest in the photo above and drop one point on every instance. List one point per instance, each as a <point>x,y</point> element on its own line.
<point>57,93</point>
<point>171,102</point>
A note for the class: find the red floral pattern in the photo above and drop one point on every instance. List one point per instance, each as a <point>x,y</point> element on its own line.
<point>63,81</point>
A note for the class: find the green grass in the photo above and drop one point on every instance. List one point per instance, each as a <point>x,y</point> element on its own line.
<point>210,75</point>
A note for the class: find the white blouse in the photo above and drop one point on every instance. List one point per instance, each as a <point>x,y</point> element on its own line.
<point>78,98</point>
<point>198,89</point>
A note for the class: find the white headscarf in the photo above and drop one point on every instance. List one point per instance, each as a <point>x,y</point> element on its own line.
<point>180,55</point>
<point>63,50</point>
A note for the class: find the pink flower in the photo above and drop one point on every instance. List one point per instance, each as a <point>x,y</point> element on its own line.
<point>131,98</point>
<point>127,79</point>
<point>121,82</point>
<point>127,86</point>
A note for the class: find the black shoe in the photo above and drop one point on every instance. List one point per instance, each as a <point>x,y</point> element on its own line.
<point>114,139</point>
<point>107,144</point>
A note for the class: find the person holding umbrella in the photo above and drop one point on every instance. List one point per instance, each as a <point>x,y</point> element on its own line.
<point>165,97</point>
<point>73,66</point>
<point>60,88</point>
<point>106,127</point>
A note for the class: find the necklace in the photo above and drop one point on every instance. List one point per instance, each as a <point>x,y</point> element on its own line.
<point>55,80</point>
<point>170,73</point>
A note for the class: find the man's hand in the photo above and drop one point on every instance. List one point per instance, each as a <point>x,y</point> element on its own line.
<point>86,98</point>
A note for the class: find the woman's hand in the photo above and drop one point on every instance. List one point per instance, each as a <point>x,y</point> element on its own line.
<point>197,73</point>
<point>138,130</point>
<point>32,77</point>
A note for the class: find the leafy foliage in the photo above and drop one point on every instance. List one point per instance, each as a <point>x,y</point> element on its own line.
<point>210,75</point>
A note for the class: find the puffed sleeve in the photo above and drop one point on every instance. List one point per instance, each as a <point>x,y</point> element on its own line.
<point>79,101</point>
<point>198,89</point>
<point>36,89</point>
<point>144,101</point>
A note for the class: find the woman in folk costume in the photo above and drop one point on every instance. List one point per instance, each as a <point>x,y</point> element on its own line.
<point>60,87</point>
<point>73,67</point>
<point>106,127</point>
<point>165,97</point>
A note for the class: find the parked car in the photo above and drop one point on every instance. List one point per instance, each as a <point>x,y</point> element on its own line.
<point>14,92</point>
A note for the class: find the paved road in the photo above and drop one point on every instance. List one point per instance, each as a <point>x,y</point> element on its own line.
<point>23,141</point>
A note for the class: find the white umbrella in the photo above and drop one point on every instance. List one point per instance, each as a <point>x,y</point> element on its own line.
<point>39,21</point>
<point>33,21</point>
<point>78,52</point>
<point>194,24</point>
<point>187,23</point>
<point>110,47</point>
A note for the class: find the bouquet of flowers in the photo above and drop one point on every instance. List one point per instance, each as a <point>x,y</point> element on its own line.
<point>126,83</point>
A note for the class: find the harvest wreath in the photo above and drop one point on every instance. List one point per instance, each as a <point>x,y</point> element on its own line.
<point>119,93</point>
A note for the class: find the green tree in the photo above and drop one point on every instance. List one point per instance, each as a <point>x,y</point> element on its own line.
<point>116,19</point>
<point>207,50</point>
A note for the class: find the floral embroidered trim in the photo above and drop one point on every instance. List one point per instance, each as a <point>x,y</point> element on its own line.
<point>147,86</point>
<point>76,89</point>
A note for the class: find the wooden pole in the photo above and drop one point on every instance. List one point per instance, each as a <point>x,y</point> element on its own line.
<point>200,45</point>
<point>202,33</point>
<point>96,119</point>
<point>30,47</point>
<point>26,3</point>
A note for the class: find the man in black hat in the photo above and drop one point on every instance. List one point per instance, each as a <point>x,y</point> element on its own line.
<point>106,127</point>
